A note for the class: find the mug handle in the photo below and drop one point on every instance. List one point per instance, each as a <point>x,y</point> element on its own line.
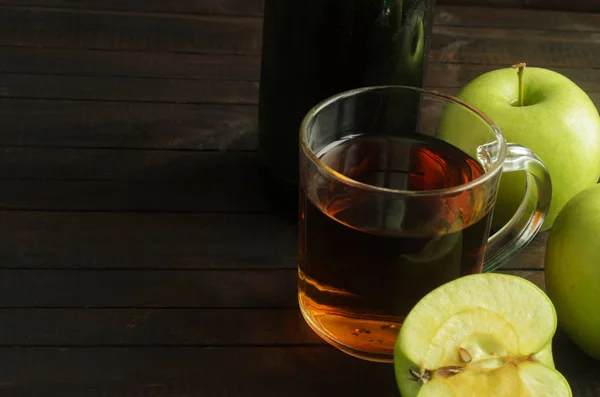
<point>526,222</point>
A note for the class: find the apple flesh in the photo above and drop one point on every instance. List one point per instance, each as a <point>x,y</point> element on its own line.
<point>573,269</point>
<point>485,334</point>
<point>557,121</point>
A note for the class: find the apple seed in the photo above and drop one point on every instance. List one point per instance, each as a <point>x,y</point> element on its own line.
<point>465,355</point>
<point>451,370</point>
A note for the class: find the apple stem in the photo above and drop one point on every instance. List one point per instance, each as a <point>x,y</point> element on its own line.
<point>521,66</point>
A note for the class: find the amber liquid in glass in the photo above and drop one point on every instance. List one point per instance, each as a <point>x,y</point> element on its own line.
<point>356,285</point>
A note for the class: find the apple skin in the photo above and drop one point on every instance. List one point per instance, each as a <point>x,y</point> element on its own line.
<point>518,302</point>
<point>573,269</point>
<point>559,123</point>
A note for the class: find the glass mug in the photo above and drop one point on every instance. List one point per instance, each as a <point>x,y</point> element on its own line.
<point>397,189</point>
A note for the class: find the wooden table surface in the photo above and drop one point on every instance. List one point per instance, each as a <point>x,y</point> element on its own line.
<point>138,255</point>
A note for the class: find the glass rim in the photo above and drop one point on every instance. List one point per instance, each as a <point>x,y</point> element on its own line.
<point>310,117</point>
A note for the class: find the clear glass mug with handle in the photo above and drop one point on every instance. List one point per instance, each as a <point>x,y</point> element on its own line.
<point>397,190</point>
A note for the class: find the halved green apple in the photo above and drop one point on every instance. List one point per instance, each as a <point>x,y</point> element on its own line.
<point>481,335</point>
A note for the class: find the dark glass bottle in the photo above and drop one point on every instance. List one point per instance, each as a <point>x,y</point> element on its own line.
<point>313,49</point>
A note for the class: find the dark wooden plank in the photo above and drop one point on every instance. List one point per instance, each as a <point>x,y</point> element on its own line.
<point>168,65</point>
<point>210,7</point>
<point>165,241</point>
<point>126,165</point>
<point>210,193</point>
<point>186,372</point>
<point>127,125</point>
<point>242,36</point>
<point>58,28</point>
<point>505,18</point>
<point>159,326</point>
<point>146,241</point>
<point>129,64</point>
<point>148,289</point>
<point>556,5</point>
<point>573,5</point>
<point>216,372</point>
<point>128,89</point>
<point>146,327</point>
<point>169,91</point>
<point>509,46</point>
<point>131,180</point>
<point>204,67</point>
<point>162,289</point>
<point>488,3</point>
<point>501,14</point>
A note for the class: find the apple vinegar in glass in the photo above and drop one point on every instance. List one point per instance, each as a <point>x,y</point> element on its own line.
<point>356,285</point>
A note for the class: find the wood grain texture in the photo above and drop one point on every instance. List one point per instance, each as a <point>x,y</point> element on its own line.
<point>503,18</point>
<point>574,5</point>
<point>554,5</point>
<point>500,12</point>
<point>131,180</point>
<point>34,163</point>
<point>236,67</point>
<point>498,46</point>
<point>160,371</point>
<point>127,125</point>
<point>488,3</point>
<point>40,240</point>
<point>148,289</point>
<point>150,68</point>
<point>49,28</point>
<point>158,289</point>
<point>209,7</point>
<point>168,91</point>
<point>82,62</point>
<point>255,7</point>
<point>209,193</point>
<point>208,372</point>
<point>129,31</point>
<point>128,89</point>
<point>147,327</point>
<point>205,195</point>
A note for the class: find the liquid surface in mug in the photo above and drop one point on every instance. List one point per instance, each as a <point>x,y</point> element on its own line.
<point>366,259</point>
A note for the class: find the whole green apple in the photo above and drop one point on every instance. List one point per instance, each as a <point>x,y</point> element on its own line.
<point>573,269</point>
<point>545,112</point>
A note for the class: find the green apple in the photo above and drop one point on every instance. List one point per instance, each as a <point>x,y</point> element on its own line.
<point>486,334</point>
<point>573,269</point>
<point>545,112</point>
